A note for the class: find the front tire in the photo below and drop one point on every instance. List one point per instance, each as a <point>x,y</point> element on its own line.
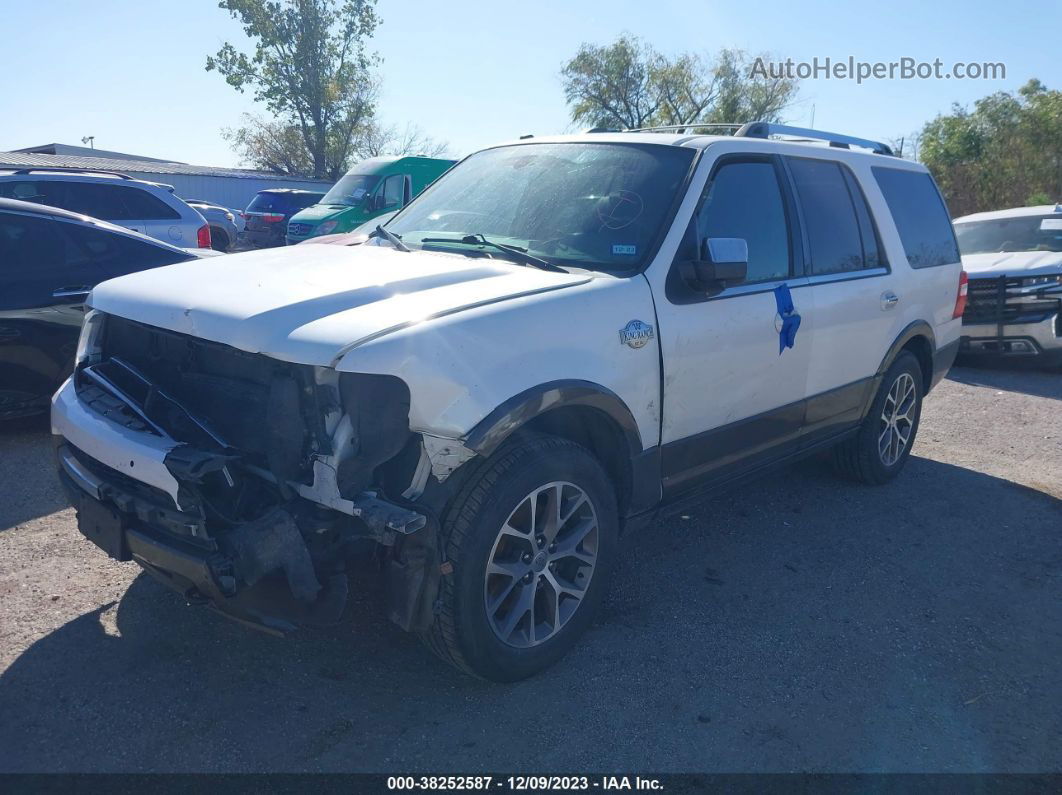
<point>882,445</point>
<point>531,539</point>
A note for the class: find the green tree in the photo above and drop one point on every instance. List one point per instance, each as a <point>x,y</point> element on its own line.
<point>312,71</point>
<point>1004,152</point>
<point>629,84</point>
<point>277,146</point>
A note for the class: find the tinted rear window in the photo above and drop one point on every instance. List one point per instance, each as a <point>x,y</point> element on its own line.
<point>920,215</point>
<point>829,216</point>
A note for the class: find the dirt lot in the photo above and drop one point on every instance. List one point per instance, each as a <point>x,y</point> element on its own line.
<point>796,624</point>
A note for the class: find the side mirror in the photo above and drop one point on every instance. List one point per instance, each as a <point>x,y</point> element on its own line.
<point>724,262</point>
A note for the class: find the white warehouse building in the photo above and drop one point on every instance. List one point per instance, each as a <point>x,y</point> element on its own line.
<point>229,187</point>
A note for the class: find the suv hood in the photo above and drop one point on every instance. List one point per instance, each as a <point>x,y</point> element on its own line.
<point>1017,264</point>
<point>312,304</point>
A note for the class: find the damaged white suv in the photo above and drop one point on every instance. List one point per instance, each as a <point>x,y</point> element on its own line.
<point>554,341</point>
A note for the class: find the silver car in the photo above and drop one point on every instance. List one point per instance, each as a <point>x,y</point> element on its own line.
<point>146,207</point>
<point>225,224</point>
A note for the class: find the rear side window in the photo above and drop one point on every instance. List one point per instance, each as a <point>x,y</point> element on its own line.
<point>830,218</point>
<point>97,201</point>
<point>141,205</point>
<point>920,215</point>
<point>27,191</point>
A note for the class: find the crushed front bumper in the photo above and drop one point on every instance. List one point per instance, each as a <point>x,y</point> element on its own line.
<point>261,576</point>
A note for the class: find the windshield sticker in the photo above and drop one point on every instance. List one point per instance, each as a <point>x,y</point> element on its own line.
<point>357,193</point>
<point>626,250</point>
<point>1051,225</point>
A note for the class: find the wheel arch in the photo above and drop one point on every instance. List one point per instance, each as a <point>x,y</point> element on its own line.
<point>217,231</point>
<point>588,414</point>
<point>918,338</point>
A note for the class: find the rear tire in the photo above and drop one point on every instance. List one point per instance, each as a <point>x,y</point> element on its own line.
<point>531,538</point>
<point>881,446</point>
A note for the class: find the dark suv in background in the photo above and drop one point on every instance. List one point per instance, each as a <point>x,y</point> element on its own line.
<point>268,213</point>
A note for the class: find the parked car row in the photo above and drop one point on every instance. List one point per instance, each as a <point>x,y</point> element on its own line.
<point>50,260</point>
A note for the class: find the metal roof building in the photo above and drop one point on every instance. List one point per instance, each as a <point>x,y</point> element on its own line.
<point>229,187</point>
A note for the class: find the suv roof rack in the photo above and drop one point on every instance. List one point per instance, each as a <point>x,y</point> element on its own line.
<point>759,129</point>
<point>762,129</point>
<point>681,128</point>
<point>67,170</point>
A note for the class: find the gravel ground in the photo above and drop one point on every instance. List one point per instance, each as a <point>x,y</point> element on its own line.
<point>795,624</point>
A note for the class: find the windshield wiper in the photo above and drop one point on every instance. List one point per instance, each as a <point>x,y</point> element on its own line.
<point>520,253</point>
<point>390,237</point>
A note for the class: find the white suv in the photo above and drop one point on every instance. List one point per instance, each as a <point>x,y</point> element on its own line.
<point>1014,260</point>
<point>554,341</point>
<point>146,207</point>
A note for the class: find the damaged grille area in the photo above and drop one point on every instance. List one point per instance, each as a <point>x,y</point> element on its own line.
<point>210,396</point>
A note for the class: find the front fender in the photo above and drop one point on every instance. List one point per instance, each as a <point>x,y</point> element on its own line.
<point>513,359</point>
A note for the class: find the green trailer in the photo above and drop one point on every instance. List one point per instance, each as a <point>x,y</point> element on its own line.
<point>373,187</point>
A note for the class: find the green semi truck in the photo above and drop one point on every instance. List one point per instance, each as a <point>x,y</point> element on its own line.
<point>373,187</point>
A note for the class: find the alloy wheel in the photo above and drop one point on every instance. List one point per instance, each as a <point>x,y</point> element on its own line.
<point>897,419</point>
<point>541,564</point>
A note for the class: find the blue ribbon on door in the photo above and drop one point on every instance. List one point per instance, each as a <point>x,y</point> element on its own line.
<point>790,319</point>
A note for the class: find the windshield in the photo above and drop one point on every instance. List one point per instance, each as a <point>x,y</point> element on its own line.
<point>351,190</point>
<point>598,206</point>
<point>1025,233</point>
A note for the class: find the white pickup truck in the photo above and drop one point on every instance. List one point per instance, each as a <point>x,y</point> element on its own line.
<point>1014,261</point>
<point>554,341</point>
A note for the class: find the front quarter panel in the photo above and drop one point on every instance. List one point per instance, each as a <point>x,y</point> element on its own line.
<point>461,367</point>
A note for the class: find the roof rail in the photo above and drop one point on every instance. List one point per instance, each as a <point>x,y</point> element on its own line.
<point>682,128</point>
<point>65,170</point>
<point>759,129</point>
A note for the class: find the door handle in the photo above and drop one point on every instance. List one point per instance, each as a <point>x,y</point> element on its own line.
<point>79,291</point>
<point>889,299</point>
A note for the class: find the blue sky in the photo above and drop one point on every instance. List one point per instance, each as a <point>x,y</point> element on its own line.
<point>474,72</point>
